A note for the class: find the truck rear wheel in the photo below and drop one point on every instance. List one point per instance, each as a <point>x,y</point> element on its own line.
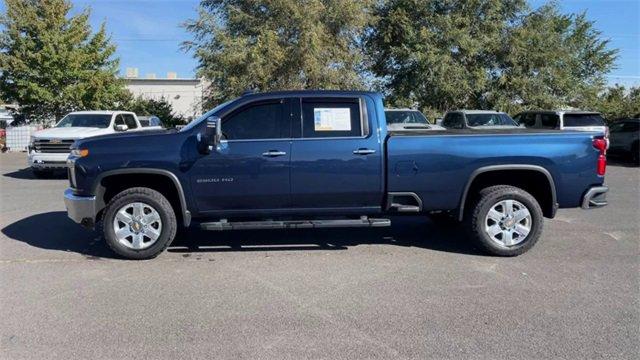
<point>139,223</point>
<point>505,220</point>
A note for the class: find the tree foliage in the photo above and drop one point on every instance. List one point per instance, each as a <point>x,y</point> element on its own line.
<point>152,107</point>
<point>440,54</point>
<point>552,60</point>
<point>616,103</point>
<point>278,44</point>
<point>51,63</point>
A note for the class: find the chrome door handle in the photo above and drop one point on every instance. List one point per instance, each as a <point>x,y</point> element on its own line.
<point>274,153</point>
<point>364,151</point>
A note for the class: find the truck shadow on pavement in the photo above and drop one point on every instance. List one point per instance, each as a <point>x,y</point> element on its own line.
<point>405,232</point>
<point>27,174</point>
<point>54,231</point>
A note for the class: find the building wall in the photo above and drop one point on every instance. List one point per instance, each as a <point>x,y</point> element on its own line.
<point>184,95</point>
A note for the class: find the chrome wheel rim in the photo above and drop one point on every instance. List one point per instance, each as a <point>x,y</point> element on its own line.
<point>508,223</point>
<point>137,225</point>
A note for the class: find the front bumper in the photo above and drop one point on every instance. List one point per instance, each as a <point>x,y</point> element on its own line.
<point>48,160</point>
<point>81,209</point>
<point>595,197</point>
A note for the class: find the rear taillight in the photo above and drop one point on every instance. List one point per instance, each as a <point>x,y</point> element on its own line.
<point>602,165</point>
<point>601,146</point>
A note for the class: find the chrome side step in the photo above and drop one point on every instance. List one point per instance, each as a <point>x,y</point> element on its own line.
<point>294,224</point>
<point>404,208</point>
<point>404,202</point>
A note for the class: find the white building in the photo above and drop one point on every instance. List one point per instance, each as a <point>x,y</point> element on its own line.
<point>184,95</point>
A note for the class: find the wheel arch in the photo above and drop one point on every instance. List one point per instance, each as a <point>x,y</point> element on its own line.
<point>118,176</point>
<point>484,176</point>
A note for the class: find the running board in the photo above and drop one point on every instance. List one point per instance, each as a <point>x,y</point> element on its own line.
<point>294,224</point>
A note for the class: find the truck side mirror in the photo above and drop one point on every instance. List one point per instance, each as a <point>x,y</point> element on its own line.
<point>211,136</point>
<point>121,127</point>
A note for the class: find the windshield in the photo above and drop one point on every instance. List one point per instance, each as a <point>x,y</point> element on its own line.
<point>572,120</point>
<point>197,121</point>
<point>490,120</point>
<point>405,117</point>
<point>85,120</point>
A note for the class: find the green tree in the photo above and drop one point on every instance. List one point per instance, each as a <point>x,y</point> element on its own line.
<point>616,102</point>
<point>551,60</point>
<point>51,63</point>
<point>278,44</point>
<point>148,107</point>
<point>440,54</point>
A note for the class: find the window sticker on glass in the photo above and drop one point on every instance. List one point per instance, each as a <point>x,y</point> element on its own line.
<point>332,119</point>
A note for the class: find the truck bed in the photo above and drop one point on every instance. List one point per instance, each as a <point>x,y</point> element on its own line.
<point>437,164</point>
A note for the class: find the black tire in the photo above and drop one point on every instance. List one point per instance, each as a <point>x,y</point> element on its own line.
<point>635,154</point>
<point>42,174</point>
<point>480,208</point>
<point>153,199</point>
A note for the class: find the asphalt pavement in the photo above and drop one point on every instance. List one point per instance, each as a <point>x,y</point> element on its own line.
<point>414,291</point>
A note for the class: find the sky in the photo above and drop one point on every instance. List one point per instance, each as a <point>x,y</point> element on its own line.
<point>148,33</point>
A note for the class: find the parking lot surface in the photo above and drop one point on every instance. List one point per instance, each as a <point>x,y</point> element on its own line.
<point>416,290</point>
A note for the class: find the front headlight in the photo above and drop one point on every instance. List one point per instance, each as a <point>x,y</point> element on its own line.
<point>80,152</point>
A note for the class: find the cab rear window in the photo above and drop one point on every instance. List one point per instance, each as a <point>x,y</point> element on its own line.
<point>583,120</point>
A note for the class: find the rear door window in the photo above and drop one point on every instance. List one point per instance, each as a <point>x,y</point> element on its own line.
<point>331,117</point>
<point>130,121</point>
<point>453,121</point>
<point>632,127</point>
<point>398,117</point>
<point>489,120</point>
<point>549,121</point>
<point>527,119</point>
<point>573,120</point>
<point>405,117</point>
<point>119,120</point>
<point>154,121</point>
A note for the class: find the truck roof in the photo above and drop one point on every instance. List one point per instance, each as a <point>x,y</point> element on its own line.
<point>466,111</point>
<point>291,93</point>
<point>101,112</point>
<point>560,112</point>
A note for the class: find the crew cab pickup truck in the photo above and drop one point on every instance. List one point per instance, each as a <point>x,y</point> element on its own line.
<point>50,148</point>
<point>316,159</point>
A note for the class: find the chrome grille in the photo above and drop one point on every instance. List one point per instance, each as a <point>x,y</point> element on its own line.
<point>52,145</point>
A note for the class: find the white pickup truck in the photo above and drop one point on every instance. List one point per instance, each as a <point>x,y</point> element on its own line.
<point>49,148</point>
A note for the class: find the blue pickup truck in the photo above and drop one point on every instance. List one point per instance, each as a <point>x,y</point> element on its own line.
<point>316,159</point>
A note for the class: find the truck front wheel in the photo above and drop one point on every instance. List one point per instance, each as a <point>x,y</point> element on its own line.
<point>139,223</point>
<point>505,220</point>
